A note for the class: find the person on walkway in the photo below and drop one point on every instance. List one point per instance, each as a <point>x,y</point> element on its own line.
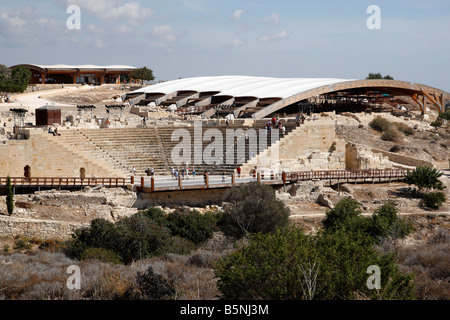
<point>193,173</point>
<point>223,176</point>
<point>152,171</point>
<point>205,176</point>
<point>173,173</point>
<point>239,172</point>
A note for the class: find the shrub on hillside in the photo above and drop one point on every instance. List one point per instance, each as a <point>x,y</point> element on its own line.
<point>385,223</point>
<point>391,135</point>
<point>436,124</point>
<point>346,214</point>
<point>153,286</point>
<point>192,225</point>
<point>395,148</point>
<point>133,238</point>
<point>402,127</point>
<point>380,124</point>
<point>253,208</point>
<point>289,265</point>
<point>445,115</point>
<point>101,254</point>
<point>433,200</point>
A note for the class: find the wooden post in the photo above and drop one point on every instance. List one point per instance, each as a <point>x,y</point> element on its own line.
<point>153,184</point>
<point>180,183</point>
<point>259,177</point>
<point>283,175</point>
<point>207,181</point>
<point>142,182</point>
<point>233,179</point>
<point>132,179</point>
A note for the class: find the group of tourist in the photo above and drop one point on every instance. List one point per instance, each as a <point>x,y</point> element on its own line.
<point>183,172</point>
<point>54,131</point>
<point>275,122</point>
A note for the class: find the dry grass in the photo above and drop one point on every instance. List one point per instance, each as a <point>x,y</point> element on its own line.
<point>430,263</point>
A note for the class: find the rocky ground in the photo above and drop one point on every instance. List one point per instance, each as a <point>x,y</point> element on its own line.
<point>426,143</point>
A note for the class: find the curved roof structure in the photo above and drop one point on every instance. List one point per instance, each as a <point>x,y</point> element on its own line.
<point>259,87</point>
<point>287,91</point>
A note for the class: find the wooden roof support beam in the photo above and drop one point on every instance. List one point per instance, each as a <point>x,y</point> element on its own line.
<point>433,100</point>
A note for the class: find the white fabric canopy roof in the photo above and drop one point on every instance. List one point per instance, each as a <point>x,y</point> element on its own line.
<point>242,86</point>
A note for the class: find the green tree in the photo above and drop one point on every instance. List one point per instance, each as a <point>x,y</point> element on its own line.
<point>16,81</point>
<point>5,72</point>
<point>276,266</point>
<point>346,214</point>
<point>379,76</point>
<point>9,196</point>
<point>425,179</point>
<point>142,74</point>
<point>385,223</point>
<point>253,208</point>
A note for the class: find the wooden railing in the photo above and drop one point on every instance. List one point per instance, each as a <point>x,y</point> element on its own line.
<point>345,174</point>
<point>63,182</point>
<point>271,178</point>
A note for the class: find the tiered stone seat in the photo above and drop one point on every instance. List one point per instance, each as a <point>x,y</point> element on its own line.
<point>144,148</point>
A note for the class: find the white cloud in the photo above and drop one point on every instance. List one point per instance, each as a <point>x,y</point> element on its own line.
<point>164,32</point>
<point>131,11</point>
<point>276,36</point>
<point>237,42</point>
<point>14,22</point>
<point>113,10</point>
<point>273,18</point>
<point>237,14</point>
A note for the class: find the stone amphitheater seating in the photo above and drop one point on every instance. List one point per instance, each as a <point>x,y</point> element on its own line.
<point>143,148</point>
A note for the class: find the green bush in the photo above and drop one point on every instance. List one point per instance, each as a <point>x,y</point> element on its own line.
<point>346,214</point>
<point>445,115</point>
<point>253,208</point>
<point>386,223</point>
<point>391,135</point>
<point>276,266</point>
<point>139,236</point>
<point>436,124</point>
<point>22,244</point>
<point>192,225</point>
<point>433,200</point>
<point>157,215</point>
<point>101,254</point>
<point>380,124</point>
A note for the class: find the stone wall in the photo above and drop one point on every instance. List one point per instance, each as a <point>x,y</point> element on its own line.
<point>359,157</point>
<point>48,158</point>
<point>404,160</point>
<point>42,229</point>
<point>312,146</point>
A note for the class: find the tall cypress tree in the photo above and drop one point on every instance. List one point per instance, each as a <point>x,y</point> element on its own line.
<point>9,197</point>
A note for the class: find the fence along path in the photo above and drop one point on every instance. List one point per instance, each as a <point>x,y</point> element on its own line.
<point>166,183</point>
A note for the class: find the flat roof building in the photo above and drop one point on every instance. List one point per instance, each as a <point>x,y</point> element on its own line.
<point>77,74</point>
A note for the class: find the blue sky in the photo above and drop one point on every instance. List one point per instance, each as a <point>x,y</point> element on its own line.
<point>285,38</point>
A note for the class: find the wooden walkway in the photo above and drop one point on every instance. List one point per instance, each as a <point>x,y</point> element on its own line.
<point>166,183</point>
